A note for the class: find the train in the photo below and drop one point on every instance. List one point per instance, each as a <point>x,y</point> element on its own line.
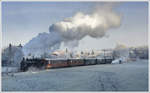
<point>59,63</point>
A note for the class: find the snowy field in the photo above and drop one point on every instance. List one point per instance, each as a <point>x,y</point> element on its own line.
<point>131,76</point>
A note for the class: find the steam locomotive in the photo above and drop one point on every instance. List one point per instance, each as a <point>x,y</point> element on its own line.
<point>58,63</point>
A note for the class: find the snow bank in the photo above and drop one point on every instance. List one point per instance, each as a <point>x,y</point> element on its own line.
<point>122,59</point>
<point>9,69</point>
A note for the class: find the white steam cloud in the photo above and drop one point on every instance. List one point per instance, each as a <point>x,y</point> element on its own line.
<point>75,28</point>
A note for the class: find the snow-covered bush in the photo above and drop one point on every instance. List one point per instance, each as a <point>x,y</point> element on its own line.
<point>12,56</point>
<point>121,51</point>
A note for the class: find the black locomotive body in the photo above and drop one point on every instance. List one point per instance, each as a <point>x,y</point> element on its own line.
<point>37,63</point>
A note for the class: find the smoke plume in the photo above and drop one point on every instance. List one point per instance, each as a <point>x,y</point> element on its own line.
<point>75,28</point>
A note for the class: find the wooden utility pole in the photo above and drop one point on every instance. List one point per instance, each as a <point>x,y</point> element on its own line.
<point>66,50</point>
<point>10,54</point>
<point>104,53</point>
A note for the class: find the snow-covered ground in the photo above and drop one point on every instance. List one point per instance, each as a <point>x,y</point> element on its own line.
<point>130,76</point>
<point>9,69</point>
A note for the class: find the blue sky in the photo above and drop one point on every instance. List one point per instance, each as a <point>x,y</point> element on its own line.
<point>21,21</point>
